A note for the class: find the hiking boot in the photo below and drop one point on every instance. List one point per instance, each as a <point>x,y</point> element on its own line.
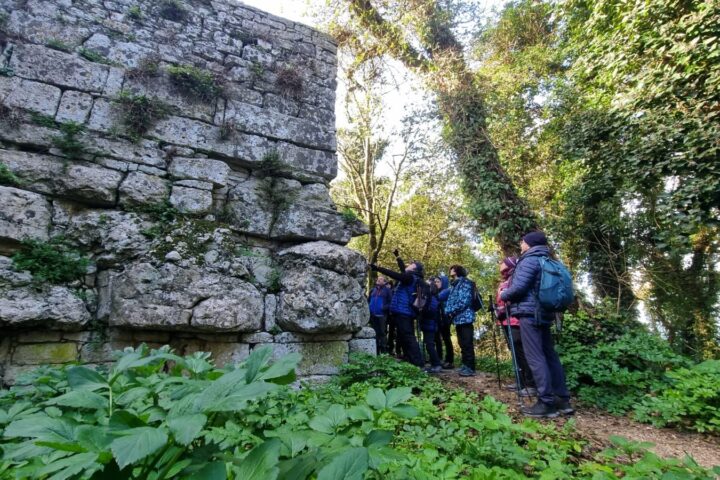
<point>540,410</point>
<point>433,370</point>
<point>447,366</point>
<point>528,392</point>
<point>564,407</point>
<point>466,372</point>
<point>510,386</point>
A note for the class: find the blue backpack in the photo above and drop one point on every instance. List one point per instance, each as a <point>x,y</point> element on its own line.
<point>555,293</point>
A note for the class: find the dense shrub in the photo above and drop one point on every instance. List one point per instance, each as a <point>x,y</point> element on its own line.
<point>691,401</point>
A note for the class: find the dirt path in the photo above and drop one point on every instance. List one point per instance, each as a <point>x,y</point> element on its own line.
<point>597,426</point>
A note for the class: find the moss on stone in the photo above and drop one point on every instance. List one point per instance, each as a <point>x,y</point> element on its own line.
<point>44,353</point>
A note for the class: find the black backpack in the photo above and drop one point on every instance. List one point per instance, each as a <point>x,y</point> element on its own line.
<point>421,297</point>
<point>476,303</point>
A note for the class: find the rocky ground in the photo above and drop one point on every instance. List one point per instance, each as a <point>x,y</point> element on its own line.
<point>597,426</point>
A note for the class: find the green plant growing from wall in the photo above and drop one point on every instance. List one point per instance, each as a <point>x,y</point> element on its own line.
<point>93,56</point>
<point>54,261</point>
<point>9,118</point>
<point>147,68</point>
<point>140,112</point>
<point>228,130</point>
<point>134,13</point>
<point>349,215</point>
<point>56,44</point>
<point>172,10</point>
<point>7,177</point>
<point>43,120</point>
<point>273,190</point>
<point>275,280</point>
<point>194,82</point>
<point>68,142</point>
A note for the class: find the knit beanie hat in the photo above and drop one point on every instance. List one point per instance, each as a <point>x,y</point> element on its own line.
<point>419,268</point>
<point>511,262</point>
<point>533,239</point>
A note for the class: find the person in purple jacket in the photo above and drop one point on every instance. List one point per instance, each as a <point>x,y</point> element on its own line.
<point>547,371</point>
<point>379,303</point>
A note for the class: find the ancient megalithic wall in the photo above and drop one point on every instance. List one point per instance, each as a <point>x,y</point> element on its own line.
<point>185,147</point>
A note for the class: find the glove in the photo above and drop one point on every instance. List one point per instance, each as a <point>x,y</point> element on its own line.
<point>396,252</point>
<point>373,266</point>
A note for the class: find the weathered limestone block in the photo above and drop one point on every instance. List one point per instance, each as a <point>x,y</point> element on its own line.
<point>327,255</point>
<point>202,169</point>
<point>323,358</point>
<point>162,88</point>
<point>60,68</point>
<point>143,189</point>
<point>23,215</point>
<point>259,121</point>
<point>306,164</point>
<point>292,337</point>
<point>74,107</point>
<point>270,309</point>
<point>144,152</point>
<point>114,236</point>
<point>44,353</point>
<point>55,307</point>
<point>313,300</point>
<point>82,181</point>
<point>191,200</point>
<point>123,53</point>
<point>312,216</point>
<point>170,297</point>
<point>246,149</point>
<point>247,207</point>
<point>365,332</point>
<point>223,353</point>
<point>363,345</point>
<point>34,96</point>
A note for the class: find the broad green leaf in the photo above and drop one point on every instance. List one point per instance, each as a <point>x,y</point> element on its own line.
<point>185,429</point>
<point>360,412</point>
<point>211,471</point>
<point>298,468</point>
<point>405,411</point>
<point>261,463</point>
<point>123,420</point>
<point>42,426</point>
<point>350,465</point>
<point>257,359</point>
<point>83,378</point>
<point>376,399</point>
<point>239,397</point>
<point>130,396</point>
<point>295,441</point>
<point>282,372</point>
<point>70,466</point>
<point>330,420</point>
<point>94,438</point>
<point>378,438</point>
<point>80,399</point>
<point>137,444</point>
<point>397,396</point>
<point>62,446</point>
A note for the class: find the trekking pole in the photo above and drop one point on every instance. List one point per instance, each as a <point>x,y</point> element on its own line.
<point>513,355</point>
<point>493,320</point>
<point>421,343</point>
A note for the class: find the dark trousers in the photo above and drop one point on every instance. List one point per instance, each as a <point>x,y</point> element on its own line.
<point>407,340</point>
<point>526,378</point>
<point>467,345</point>
<point>430,347</point>
<point>444,336</point>
<point>393,343</point>
<point>543,360</point>
<point>378,323</point>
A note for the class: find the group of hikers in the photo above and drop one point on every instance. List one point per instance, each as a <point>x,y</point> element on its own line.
<point>521,307</point>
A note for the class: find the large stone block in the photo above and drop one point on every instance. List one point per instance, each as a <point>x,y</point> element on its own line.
<point>45,353</point>
<point>55,307</point>
<point>191,200</point>
<point>223,353</point>
<point>170,297</point>
<point>81,181</point>
<point>34,96</point>
<point>162,88</point>
<point>363,345</point>
<point>74,107</point>
<point>59,68</point>
<point>202,169</point>
<point>143,152</point>
<point>24,215</point>
<point>307,164</point>
<point>313,300</point>
<point>247,207</point>
<point>142,189</point>
<point>326,255</point>
<point>317,358</point>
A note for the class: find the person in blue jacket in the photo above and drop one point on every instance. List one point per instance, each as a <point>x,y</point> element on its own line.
<point>458,307</point>
<point>379,303</point>
<point>443,338</point>
<point>401,306</point>
<point>547,371</point>
<point>429,319</point>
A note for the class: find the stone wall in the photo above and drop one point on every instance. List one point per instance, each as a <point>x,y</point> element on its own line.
<point>185,147</point>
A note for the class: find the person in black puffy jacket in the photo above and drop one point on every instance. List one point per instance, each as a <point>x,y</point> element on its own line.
<point>553,395</point>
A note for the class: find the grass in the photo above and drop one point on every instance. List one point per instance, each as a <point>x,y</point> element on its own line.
<point>93,56</point>
<point>68,142</point>
<point>56,44</point>
<point>289,81</point>
<point>134,13</point>
<point>7,177</point>
<point>194,82</point>
<point>140,112</point>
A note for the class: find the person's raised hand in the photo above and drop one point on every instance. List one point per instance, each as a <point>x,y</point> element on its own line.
<point>373,266</point>
<point>396,252</point>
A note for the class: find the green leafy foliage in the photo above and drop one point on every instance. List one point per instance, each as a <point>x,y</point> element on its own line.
<point>382,371</point>
<point>54,261</point>
<point>56,44</point>
<point>68,142</point>
<point>691,400</point>
<point>94,56</point>
<point>349,215</point>
<point>194,82</point>
<point>134,13</point>
<point>172,10</point>
<point>140,112</point>
<point>7,177</point>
